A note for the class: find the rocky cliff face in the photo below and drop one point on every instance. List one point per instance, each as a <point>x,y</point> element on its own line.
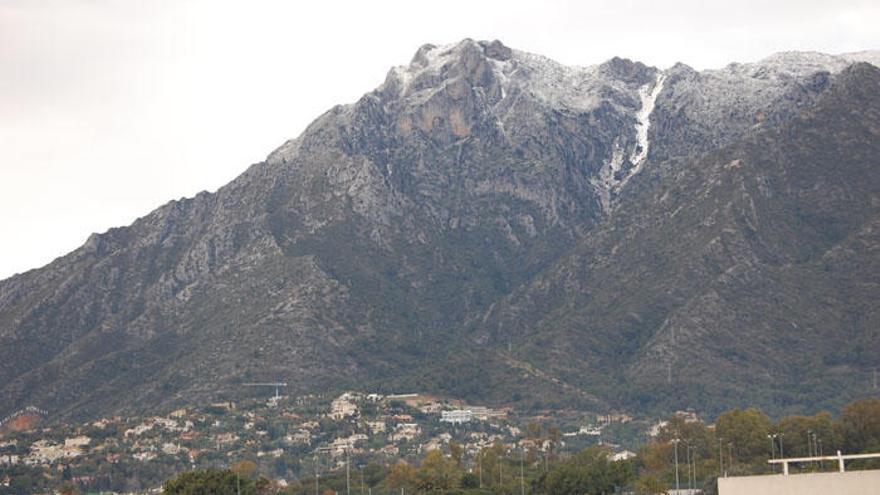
<point>486,223</point>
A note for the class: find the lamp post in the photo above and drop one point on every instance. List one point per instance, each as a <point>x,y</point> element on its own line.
<point>501,468</point>
<point>730,455</point>
<point>810,446</point>
<point>781,450</point>
<point>675,443</point>
<point>480,467</point>
<point>809,443</point>
<point>772,437</point>
<point>688,444</point>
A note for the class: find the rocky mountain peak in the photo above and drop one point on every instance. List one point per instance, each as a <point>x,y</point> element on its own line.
<point>433,66</point>
<point>597,209</point>
<point>497,50</point>
<point>626,70</point>
<point>501,71</point>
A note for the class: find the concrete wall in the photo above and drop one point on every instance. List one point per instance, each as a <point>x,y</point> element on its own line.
<point>849,483</point>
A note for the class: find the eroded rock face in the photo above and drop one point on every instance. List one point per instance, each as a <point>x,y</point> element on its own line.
<point>407,225</point>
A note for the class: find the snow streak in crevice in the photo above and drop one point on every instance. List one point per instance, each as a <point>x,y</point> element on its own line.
<point>610,180</point>
<point>648,96</point>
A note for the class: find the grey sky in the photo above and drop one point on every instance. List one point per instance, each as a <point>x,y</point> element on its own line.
<point>110,108</point>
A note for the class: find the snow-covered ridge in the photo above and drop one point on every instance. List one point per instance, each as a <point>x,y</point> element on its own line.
<point>752,87</point>
<point>795,63</point>
<point>585,88</point>
<point>870,56</point>
<point>559,86</point>
<point>619,95</point>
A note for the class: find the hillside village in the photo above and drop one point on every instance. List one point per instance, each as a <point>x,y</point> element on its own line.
<point>291,438</point>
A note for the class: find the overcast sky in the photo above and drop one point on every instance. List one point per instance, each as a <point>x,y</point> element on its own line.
<point>110,108</point>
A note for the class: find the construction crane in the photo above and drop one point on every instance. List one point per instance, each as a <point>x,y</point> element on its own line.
<point>277,386</point>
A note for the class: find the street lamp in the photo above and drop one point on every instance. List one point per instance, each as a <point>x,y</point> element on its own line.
<point>675,442</point>
<point>688,443</point>
<point>774,437</point>
<point>730,454</point>
<point>781,450</point>
<point>809,443</point>
<point>810,447</point>
<point>316,474</point>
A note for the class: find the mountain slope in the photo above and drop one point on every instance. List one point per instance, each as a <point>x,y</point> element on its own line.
<point>746,275</point>
<point>454,229</point>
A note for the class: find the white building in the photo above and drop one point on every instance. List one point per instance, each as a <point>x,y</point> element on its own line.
<point>657,428</point>
<point>172,448</point>
<point>144,456</point>
<point>299,437</point>
<point>457,416</point>
<point>271,453</point>
<point>437,442</point>
<point>484,413</point>
<point>343,407</point>
<point>405,431</point>
<point>623,455</point>
<point>376,426</point>
<point>77,442</point>
<point>45,452</point>
<point>340,445</point>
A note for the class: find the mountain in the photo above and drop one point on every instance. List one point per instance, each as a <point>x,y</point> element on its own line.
<point>493,225</point>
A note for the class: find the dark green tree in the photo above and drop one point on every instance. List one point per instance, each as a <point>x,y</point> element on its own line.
<point>860,426</point>
<point>209,482</point>
<point>744,434</point>
<point>590,471</point>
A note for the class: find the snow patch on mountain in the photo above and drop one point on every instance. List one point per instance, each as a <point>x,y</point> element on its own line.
<point>648,95</point>
<point>613,175</point>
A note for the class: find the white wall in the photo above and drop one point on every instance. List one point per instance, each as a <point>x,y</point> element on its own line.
<point>849,483</point>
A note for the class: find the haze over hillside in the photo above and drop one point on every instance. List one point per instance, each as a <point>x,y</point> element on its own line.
<point>490,223</point>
